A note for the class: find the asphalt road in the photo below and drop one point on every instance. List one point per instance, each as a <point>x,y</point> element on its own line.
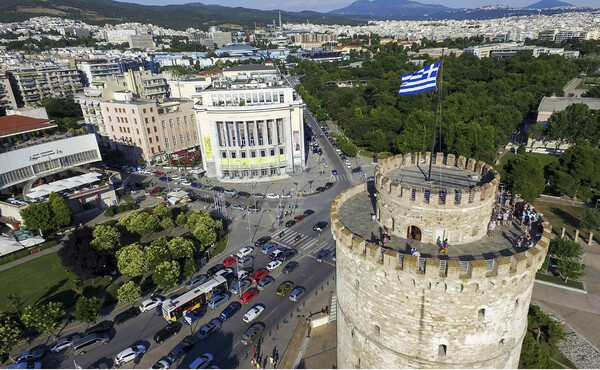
<point>225,343</point>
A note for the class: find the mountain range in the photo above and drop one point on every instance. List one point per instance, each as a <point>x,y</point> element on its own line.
<point>202,16</point>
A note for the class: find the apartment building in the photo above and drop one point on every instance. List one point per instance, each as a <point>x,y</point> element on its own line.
<point>96,70</point>
<point>144,84</point>
<point>7,97</point>
<point>38,82</point>
<point>251,125</point>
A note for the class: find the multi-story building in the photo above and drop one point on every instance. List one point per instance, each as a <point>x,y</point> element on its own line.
<point>251,125</point>
<point>7,97</point>
<point>144,84</point>
<point>35,83</point>
<point>143,42</point>
<point>97,69</point>
<point>142,128</point>
<point>221,38</point>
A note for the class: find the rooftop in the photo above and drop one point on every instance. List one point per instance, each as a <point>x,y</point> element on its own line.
<point>557,104</point>
<point>16,124</point>
<point>355,215</point>
<point>441,176</point>
<point>251,67</point>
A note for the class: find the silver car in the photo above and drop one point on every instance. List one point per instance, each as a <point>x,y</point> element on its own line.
<point>65,342</point>
<point>265,282</point>
<point>245,261</point>
<point>240,286</point>
<point>196,281</point>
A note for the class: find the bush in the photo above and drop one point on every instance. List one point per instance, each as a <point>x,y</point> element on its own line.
<point>113,210</point>
<point>521,149</point>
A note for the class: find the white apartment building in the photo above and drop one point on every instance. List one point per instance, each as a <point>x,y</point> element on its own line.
<point>38,82</point>
<point>97,69</point>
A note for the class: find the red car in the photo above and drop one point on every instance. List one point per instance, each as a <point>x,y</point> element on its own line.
<point>258,274</point>
<point>299,218</point>
<point>160,174</point>
<point>248,295</point>
<point>229,260</point>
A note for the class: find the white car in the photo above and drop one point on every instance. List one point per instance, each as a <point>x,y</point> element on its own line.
<point>243,252</point>
<point>231,192</point>
<point>287,195</point>
<point>176,177</point>
<point>242,274</point>
<point>186,183</point>
<point>348,164</point>
<point>202,362</point>
<point>129,354</point>
<point>273,265</point>
<point>253,313</point>
<point>150,303</point>
<point>272,196</point>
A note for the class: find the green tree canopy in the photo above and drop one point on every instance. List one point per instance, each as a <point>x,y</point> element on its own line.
<point>45,318</point>
<point>38,216</point>
<point>205,235</point>
<point>577,171</point>
<point>157,252</point>
<point>166,274</point>
<point>565,248</point>
<point>525,175</point>
<point>129,292</point>
<point>569,268</point>
<point>132,261</point>
<point>181,248</point>
<point>10,331</point>
<point>106,237</point>
<point>590,219</point>
<point>86,309</point>
<point>144,223</point>
<point>189,267</point>
<point>63,215</point>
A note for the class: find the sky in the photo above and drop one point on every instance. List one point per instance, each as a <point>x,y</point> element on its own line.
<point>327,5</point>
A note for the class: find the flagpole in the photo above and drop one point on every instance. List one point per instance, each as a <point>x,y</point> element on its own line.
<point>437,109</point>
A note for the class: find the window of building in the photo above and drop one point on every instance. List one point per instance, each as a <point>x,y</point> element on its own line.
<point>153,119</point>
<point>135,121</point>
<point>116,110</point>
<point>192,118</point>
<point>442,350</point>
<point>181,138</point>
<point>243,154</point>
<point>174,140</point>
<point>151,110</point>
<point>253,154</point>
<point>109,119</point>
<point>178,121</point>
<point>112,128</point>
<point>481,314</point>
<point>223,154</point>
<point>144,110</point>
<point>262,153</point>
<point>263,172</point>
<point>225,173</point>
<point>167,142</point>
<point>195,135</point>
<point>152,150</point>
<point>170,122</point>
<point>126,120</point>
<point>272,152</point>
<point>150,139</point>
<point>233,155</point>
<point>155,129</point>
<point>159,148</point>
<point>189,137</point>
<point>146,120</point>
<point>164,124</point>
<point>157,139</point>
<point>148,129</point>
<point>140,141</point>
<point>377,330</point>
<point>120,129</point>
<point>185,120</point>
<point>138,131</point>
<point>280,150</point>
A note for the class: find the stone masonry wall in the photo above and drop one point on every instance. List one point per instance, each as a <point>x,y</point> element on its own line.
<point>393,314</point>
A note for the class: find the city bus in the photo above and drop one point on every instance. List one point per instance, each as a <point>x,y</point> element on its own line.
<point>175,308</point>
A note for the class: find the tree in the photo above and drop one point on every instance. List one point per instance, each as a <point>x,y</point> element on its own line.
<point>157,252</point>
<point>63,215</point>
<point>15,301</point>
<point>565,248</point>
<point>81,258</point>
<point>163,211</point>
<point>144,223</point>
<point>78,286</point>
<point>543,327</point>
<point>166,274</point>
<point>129,292</point>
<point>189,267</point>
<point>535,132</point>
<point>181,219</point>
<point>578,171</point>
<point>525,176</point>
<point>532,355</point>
<point>166,223</point>
<point>198,217</point>
<point>590,219</point>
<point>106,237</point>
<point>86,309</point>
<point>181,248</point>
<point>205,235</point>
<point>132,261</point>
<point>45,318</point>
<point>61,107</point>
<point>569,269</point>
<point>10,331</point>
<point>38,216</point>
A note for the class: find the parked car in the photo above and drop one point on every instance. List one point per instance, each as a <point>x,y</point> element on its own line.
<point>272,196</point>
<point>248,295</point>
<point>275,254</point>
<point>31,355</point>
<point>243,252</point>
<point>193,315</point>
<point>163,363</point>
<point>196,281</point>
<point>202,362</point>
<point>101,327</point>
<point>258,274</point>
<point>334,172</point>
<point>253,332</point>
<point>230,310</point>
<point>286,195</point>
<point>290,223</point>
<point>239,207</point>
<point>319,226</point>
<point>308,212</point>
<point>265,282</point>
<point>297,293</point>
<point>167,332</point>
<point>194,185</point>
<point>129,313</point>
<point>291,266</point>
<point>242,274</point>
<point>180,349</point>
<point>129,354</point>
<point>240,286</point>
<point>253,313</point>
<point>269,247</point>
<point>245,261</point>
<point>258,195</point>
<point>254,208</point>
<point>323,255</point>
<point>262,241</point>
<point>218,189</point>
<point>211,271</point>
<point>26,365</point>
<point>207,329</point>
<point>329,185</point>
<point>230,260</point>
<point>320,189</point>
<point>243,194</point>
<point>231,192</point>
<point>333,257</point>
<point>274,264</point>
<point>299,218</point>
<point>66,342</point>
<point>186,183</point>
<point>82,345</point>
<point>284,288</point>
<point>218,300</point>
<point>150,303</point>
<point>289,254</point>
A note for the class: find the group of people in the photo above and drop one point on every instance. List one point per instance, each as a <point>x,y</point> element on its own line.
<point>507,213</point>
<point>257,358</point>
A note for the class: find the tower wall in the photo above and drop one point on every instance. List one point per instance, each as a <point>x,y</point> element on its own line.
<point>402,311</point>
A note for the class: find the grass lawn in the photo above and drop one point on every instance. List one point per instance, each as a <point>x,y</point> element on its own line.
<point>557,280</point>
<point>562,215</point>
<point>545,159</point>
<point>557,357</point>
<point>39,281</point>
<point>589,82</point>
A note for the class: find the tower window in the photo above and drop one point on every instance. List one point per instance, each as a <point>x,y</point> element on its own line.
<point>442,350</point>
<point>481,314</point>
<point>377,330</point>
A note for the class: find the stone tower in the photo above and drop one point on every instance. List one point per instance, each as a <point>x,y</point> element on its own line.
<point>397,310</point>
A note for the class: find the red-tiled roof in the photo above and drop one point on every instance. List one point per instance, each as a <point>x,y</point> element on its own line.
<point>12,125</point>
<point>210,72</point>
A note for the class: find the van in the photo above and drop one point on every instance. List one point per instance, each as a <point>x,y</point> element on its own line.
<point>82,345</point>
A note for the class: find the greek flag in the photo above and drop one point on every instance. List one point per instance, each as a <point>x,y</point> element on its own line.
<point>419,81</point>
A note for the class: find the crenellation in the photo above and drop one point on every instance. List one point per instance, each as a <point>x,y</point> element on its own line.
<point>373,252</point>
<point>519,263</point>
<point>433,268</point>
<point>451,160</point>
<point>439,159</point>
<point>461,162</point>
<point>471,165</point>
<point>479,167</point>
<point>503,267</point>
<point>478,269</point>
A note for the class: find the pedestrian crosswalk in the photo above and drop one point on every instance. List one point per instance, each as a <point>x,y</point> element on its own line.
<point>333,309</point>
<point>305,244</point>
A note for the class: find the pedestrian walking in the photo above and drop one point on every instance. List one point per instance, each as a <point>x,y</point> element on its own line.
<point>254,349</point>
<point>445,246</point>
<point>491,227</point>
<point>271,360</point>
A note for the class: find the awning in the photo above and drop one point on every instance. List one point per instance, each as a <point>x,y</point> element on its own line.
<point>181,152</point>
<point>9,245</point>
<point>64,184</point>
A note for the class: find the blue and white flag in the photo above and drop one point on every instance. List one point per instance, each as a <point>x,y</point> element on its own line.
<point>419,81</point>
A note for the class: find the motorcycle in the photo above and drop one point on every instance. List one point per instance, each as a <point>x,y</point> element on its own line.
<point>297,238</point>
